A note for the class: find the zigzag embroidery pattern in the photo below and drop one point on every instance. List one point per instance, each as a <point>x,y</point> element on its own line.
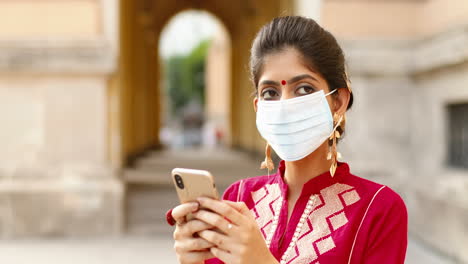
<point>266,200</point>
<point>326,217</point>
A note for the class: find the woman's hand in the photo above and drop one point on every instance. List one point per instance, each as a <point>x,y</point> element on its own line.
<point>190,249</point>
<point>237,239</point>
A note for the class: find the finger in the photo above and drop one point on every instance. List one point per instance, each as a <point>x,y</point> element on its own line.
<point>234,205</point>
<point>194,226</point>
<point>194,257</point>
<point>182,210</point>
<point>215,220</point>
<point>223,255</point>
<point>192,244</point>
<point>241,207</point>
<point>221,208</point>
<point>219,240</point>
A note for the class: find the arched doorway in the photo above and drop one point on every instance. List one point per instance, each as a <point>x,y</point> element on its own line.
<point>194,50</point>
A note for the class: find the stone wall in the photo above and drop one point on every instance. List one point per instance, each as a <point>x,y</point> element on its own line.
<point>397,128</point>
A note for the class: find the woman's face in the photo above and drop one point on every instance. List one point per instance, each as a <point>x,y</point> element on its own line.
<point>286,76</point>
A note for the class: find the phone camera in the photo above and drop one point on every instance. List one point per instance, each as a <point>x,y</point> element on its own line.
<point>179,181</point>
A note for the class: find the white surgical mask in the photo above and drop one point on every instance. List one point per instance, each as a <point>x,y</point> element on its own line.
<point>295,127</point>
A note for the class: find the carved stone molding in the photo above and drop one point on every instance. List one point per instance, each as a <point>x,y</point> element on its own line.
<point>441,50</point>
<point>407,57</point>
<point>57,56</point>
<point>377,57</point>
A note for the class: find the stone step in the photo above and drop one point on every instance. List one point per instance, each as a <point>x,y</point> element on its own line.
<point>226,167</point>
<point>150,192</point>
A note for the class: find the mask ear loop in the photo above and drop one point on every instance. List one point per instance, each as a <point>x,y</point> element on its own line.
<point>337,125</point>
<point>327,94</point>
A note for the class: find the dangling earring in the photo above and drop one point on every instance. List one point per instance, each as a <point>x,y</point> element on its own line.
<point>268,162</point>
<point>333,154</point>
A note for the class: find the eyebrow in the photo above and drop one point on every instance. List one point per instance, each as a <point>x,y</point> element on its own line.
<point>292,80</point>
<point>269,82</point>
<point>301,77</point>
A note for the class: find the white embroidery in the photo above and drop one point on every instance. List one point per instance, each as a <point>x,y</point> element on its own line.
<point>305,214</point>
<point>327,216</point>
<point>267,207</point>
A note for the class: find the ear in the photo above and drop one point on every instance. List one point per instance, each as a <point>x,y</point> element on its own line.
<point>340,104</point>
<point>255,101</point>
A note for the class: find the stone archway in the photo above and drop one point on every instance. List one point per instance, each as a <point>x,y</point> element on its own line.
<point>136,87</point>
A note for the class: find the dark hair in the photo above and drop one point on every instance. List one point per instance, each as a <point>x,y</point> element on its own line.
<point>318,47</point>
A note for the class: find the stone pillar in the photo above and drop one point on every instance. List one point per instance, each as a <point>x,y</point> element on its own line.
<point>218,80</point>
<point>55,174</point>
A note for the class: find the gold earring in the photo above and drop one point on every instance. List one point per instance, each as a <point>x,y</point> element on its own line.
<point>268,162</point>
<point>333,154</point>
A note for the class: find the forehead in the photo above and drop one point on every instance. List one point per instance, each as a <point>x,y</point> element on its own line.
<point>285,64</point>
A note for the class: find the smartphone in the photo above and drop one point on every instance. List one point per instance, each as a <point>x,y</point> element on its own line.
<point>191,184</point>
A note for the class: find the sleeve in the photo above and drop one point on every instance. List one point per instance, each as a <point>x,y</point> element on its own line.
<point>213,261</point>
<point>388,230</point>
<point>230,194</point>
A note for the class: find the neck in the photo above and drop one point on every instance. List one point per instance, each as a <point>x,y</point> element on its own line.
<point>297,173</point>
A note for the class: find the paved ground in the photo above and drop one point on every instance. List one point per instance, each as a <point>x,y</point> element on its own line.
<point>138,250</point>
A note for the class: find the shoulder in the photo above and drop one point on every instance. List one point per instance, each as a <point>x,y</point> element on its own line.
<point>381,200</point>
<point>382,226</point>
<point>389,202</point>
<point>376,192</point>
<point>382,217</point>
<point>387,196</point>
<point>251,184</point>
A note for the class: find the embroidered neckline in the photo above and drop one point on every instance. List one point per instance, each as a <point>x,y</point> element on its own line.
<point>316,184</point>
<point>297,231</point>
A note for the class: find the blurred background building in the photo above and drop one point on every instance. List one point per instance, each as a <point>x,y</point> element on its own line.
<point>100,99</point>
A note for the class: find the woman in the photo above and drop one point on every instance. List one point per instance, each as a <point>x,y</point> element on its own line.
<point>313,210</point>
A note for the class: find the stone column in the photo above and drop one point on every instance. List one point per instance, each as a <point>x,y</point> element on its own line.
<point>55,174</point>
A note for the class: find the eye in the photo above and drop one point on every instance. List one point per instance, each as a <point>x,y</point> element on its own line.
<point>269,94</point>
<point>304,90</point>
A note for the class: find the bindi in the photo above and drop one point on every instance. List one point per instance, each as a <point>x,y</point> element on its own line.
<point>283,82</point>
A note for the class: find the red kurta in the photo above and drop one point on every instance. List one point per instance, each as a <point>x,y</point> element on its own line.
<point>340,219</point>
